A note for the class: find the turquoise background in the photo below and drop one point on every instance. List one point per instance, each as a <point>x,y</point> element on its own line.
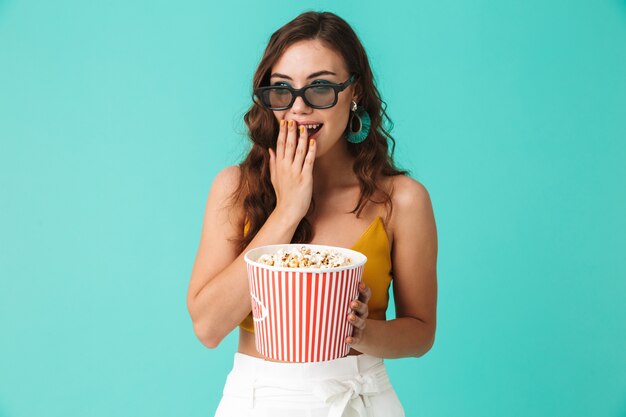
<point>115,117</point>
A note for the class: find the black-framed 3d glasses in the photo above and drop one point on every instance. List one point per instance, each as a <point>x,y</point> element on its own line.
<point>317,96</point>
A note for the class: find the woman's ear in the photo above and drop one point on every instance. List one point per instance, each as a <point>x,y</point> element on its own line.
<point>356,94</point>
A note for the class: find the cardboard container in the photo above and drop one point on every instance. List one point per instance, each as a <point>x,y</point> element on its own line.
<point>301,314</point>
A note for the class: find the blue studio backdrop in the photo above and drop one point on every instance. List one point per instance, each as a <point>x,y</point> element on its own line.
<point>115,117</point>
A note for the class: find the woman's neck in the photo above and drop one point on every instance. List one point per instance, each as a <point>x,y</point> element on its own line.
<point>333,170</point>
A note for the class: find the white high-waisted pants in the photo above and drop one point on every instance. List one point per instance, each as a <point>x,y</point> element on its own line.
<point>353,386</point>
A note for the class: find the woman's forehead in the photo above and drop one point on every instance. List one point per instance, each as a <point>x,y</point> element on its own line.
<point>304,58</point>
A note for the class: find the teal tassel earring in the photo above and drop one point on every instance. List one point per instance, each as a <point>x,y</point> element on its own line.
<point>359,124</point>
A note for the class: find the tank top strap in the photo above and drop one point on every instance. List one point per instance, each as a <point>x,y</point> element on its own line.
<point>382,208</point>
<point>381,211</point>
<point>246,227</point>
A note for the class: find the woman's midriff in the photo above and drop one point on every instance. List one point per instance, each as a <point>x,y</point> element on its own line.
<point>247,346</point>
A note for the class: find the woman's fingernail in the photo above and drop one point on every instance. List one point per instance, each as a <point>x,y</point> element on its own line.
<point>282,123</point>
<point>301,129</point>
<point>312,142</point>
<point>290,123</point>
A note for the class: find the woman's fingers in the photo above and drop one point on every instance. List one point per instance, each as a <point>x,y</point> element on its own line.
<point>359,307</point>
<point>365,293</point>
<point>291,170</point>
<point>357,331</point>
<point>290,145</point>
<point>280,142</point>
<point>272,166</point>
<point>357,335</point>
<point>307,168</point>
<point>357,322</point>
<point>298,151</point>
<point>359,314</point>
<point>301,149</point>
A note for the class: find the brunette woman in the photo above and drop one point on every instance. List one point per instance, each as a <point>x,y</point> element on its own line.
<point>320,170</point>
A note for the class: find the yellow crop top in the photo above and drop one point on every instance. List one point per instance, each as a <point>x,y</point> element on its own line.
<point>374,244</point>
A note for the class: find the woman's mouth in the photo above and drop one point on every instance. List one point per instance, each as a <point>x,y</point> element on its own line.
<point>313,130</point>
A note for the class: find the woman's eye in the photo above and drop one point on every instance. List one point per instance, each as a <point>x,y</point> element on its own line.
<point>280,84</point>
<point>320,82</point>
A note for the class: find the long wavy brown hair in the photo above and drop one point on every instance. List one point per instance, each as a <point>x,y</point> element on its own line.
<point>373,159</point>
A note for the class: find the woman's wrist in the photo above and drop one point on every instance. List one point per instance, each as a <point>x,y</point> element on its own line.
<point>285,218</point>
<point>397,338</point>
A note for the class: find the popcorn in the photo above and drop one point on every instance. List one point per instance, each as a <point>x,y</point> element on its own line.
<point>305,257</point>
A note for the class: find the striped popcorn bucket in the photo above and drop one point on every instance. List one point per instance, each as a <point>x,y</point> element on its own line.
<point>301,314</point>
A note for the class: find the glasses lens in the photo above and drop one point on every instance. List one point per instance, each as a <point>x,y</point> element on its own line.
<point>320,95</point>
<point>277,97</point>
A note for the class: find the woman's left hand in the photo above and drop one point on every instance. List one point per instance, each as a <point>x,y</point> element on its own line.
<point>360,313</point>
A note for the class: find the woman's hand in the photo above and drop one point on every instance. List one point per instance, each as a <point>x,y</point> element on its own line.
<point>360,313</point>
<point>291,170</point>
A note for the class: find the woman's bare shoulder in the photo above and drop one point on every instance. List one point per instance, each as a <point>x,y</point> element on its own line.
<point>227,180</point>
<point>224,194</point>
<point>408,192</point>
<point>410,199</point>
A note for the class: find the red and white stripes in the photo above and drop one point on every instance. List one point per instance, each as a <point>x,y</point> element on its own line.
<point>302,316</point>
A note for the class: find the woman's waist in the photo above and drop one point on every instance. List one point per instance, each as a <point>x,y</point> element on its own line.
<point>247,346</point>
<point>337,383</point>
<point>349,366</point>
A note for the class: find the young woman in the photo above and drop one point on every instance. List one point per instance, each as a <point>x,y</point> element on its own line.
<point>319,171</point>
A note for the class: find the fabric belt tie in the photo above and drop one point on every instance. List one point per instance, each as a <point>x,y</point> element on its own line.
<point>352,392</point>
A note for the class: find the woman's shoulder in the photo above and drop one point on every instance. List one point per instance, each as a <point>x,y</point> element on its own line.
<point>228,178</point>
<point>407,192</point>
<point>410,199</point>
<point>227,182</point>
<point>226,186</point>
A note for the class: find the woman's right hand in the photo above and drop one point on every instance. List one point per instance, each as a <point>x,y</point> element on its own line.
<point>291,170</point>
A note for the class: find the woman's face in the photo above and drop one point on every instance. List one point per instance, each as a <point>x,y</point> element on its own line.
<point>309,62</point>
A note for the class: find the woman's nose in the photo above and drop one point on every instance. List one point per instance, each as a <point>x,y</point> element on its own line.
<point>299,106</point>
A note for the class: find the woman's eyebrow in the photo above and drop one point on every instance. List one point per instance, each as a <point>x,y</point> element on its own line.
<point>315,74</point>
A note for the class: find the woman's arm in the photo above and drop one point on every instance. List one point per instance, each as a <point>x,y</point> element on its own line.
<point>218,298</point>
<point>414,259</point>
<point>218,295</point>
